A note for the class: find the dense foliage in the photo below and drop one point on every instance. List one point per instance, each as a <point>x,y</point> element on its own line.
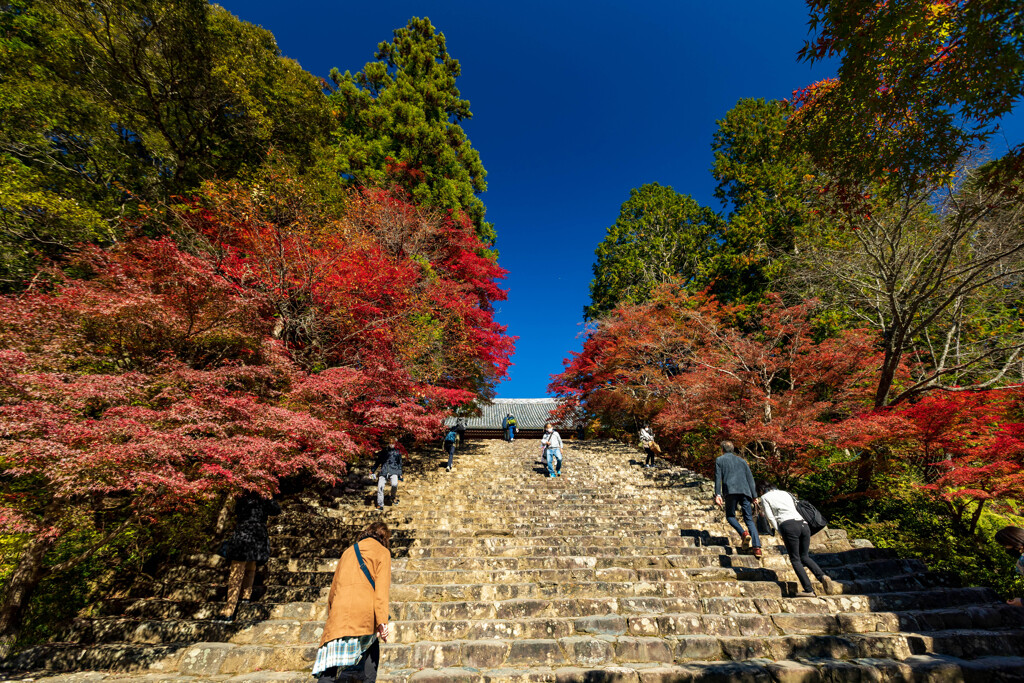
<point>199,298</point>
<point>660,234</point>
<point>104,112</point>
<point>920,84</point>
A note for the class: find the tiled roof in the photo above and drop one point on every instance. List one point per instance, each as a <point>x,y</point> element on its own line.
<point>531,413</point>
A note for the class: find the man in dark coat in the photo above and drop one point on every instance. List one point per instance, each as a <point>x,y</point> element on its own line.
<point>734,480</point>
<point>388,465</point>
<point>460,429</point>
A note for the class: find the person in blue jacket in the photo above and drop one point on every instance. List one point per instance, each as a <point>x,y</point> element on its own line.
<point>734,481</point>
<point>511,426</point>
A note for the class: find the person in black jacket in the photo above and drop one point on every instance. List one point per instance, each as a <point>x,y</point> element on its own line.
<point>247,546</point>
<point>460,428</point>
<point>388,465</point>
<point>734,480</point>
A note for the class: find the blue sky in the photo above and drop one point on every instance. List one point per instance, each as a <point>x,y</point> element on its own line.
<point>573,105</point>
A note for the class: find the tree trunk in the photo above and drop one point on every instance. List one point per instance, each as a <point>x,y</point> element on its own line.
<point>23,582</point>
<point>868,456</point>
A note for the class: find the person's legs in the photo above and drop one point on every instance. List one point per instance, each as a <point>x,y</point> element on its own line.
<point>328,676</point>
<point>370,662</point>
<point>649,460</point>
<point>805,557</point>
<point>748,517</point>
<point>380,490</point>
<point>451,453</point>
<point>556,456</point>
<point>792,532</point>
<point>236,578</point>
<point>394,489</point>
<point>730,512</point>
<point>247,581</point>
<point>549,461</point>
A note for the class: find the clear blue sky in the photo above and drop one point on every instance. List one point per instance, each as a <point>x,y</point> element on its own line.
<point>574,103</point>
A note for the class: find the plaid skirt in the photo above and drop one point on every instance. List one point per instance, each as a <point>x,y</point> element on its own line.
<point>342,652</point>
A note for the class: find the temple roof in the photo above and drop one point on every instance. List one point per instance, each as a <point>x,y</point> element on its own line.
<point>530,413</point>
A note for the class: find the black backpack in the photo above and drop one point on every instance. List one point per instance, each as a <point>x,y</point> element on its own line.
<point>814,519</point>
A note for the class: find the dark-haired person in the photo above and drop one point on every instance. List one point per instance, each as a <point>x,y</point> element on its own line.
<point>734,481</point>
<point>780,511</point>
<point>450,439</point>
<point>357,610</point>
<point>247,546</point>
<point>1012,539</point>
<point>551,445</point>
<point>388,465</point>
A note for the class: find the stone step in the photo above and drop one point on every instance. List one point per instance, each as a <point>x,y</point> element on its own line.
<point>588,650</point>
<point>223,660</point>
<point>170,631</point>
<point>914,669</point>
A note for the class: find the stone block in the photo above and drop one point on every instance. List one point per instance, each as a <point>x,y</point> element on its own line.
<point>484,654</point>
<point>444,675</point>
<point>586,650</point>
<point>529,653</point>
<point>521,608</point>
<point>606,675</point>
<point>204,659</point>
<point>609,625</point>
<point>806,623</point>
<point>697,648</point>
<point>426,655</point>
<point>628,649</point>
<point>868,622</point>
<point>796,672</point>
<point>643,626</point>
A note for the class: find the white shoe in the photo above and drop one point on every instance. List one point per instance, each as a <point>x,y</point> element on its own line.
<point>447,469</point>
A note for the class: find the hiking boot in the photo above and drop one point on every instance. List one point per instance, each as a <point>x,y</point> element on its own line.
<point>806,594</point>
<point>746,540</point>
<point>757,552</point>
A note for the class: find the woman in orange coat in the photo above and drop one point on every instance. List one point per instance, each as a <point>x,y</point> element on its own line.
<point>357,609</point>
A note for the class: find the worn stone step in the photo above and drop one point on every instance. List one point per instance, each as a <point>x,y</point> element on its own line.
<point>915,669</point>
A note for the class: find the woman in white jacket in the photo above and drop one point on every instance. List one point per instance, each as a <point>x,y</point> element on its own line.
<point>780,510</point>
<point>646,441</point>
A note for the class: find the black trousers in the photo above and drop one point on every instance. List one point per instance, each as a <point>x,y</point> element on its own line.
<point>363,670</point>
<point>797,538</point>
<point>650,456</point>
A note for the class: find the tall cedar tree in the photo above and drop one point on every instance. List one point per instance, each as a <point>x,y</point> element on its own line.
<point>399,125</point>
<point>761,183</point>
<point>660,234</point>
<point>111,104</point>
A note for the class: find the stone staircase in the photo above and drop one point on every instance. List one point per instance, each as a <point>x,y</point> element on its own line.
<point>607,573</point>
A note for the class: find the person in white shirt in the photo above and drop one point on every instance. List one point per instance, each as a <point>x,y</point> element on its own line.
<point>646,439</point>
<point>780,511</point>
<point>551,442</point>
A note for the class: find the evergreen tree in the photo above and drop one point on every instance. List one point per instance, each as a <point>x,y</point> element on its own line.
<point>660,234</point>
<point>761,181</point>
<point>400,121</point>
